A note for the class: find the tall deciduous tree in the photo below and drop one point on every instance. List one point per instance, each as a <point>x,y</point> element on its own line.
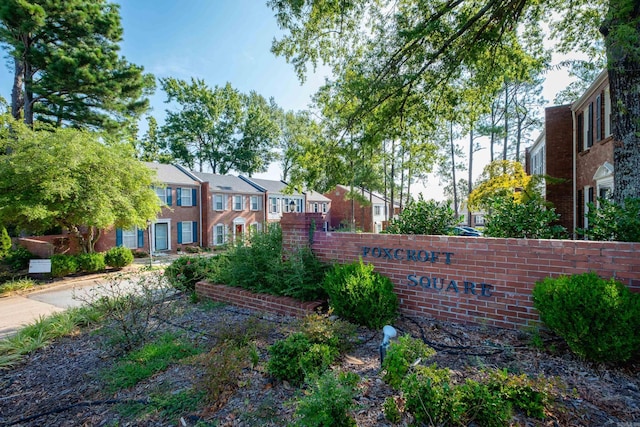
<point>68,178</point>
<point>428,41</point>
<point>66,64</point>
<point>220,128</point>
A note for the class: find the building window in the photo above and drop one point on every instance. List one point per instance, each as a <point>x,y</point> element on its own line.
<point>219,202</point>
<point>378,227</point>
<point>254,228</point>
<point>162,195</point>
<point>237,203</point>
<point>580,132</point>
<point>599,129</point>
<point>324,208</point>
<point>315,208</point>
<point>219,234</point>
<point>273,205</point>
<point>256,205</point>
<point>299,205</point>
<point>185,232</point>
<point>479,220</point>
<point>377,210</point>
<point>590,135</point>
<point>184,197</point>
<point>607,113</point>
<point>130,238</point>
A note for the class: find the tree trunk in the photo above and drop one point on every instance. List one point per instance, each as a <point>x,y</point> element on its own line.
<point>28,94</point>
<point>506,120</point>
<point>17,95</point>
<point>621,32</point>
<point>453,171</point>
<point>470,178</point>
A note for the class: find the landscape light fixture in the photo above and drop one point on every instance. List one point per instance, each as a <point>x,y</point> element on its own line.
<point>292,206</point>
<point>388,332</point>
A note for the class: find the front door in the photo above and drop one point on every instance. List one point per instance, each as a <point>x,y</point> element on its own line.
<point>239,234</point>
<point>161,234</point>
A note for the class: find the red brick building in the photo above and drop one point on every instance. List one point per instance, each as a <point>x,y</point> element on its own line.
<point>370,217</point>
<point>576,148</point>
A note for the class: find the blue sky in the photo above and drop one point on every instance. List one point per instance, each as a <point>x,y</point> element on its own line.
<point>216,40</point>
<point>219,41</point>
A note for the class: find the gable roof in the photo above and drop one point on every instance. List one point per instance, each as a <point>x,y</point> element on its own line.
<point>269,185</point>
<point>314,196</point>
<point>227,183</point>
<point>172,174</point>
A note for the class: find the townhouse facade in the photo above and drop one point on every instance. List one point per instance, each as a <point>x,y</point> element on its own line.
<point>371,217</point>
<point>231,207</point>
<point>278,199</point>
<point>576,149</point>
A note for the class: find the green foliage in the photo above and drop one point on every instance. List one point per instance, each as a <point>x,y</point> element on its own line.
<point>118,257</point>
<point>223,367</point>
<point>17,285</point>
<point>18,259</point>
<point>483,406</point>
<point>186,271</point>
<point>598,318</point>
<point>67,64</point>
<point>150,359</point>
<point>310,351</point>
<point>44,330</point>
<point>328,401</point>
<point>63,265</point>
<point>227,130</point>
<point>359,294</point>
<point>129,305</point>
<point>91,263</point>
<point>423,217</point>
<point>5,241</point>
<point>502,179</point>
<point>391,410</point>
<point>527,395</point>
<point>71,179</point>
<point>530,219</point>
<point>401,354</point>
<point>610,221</point>
<point>285,355</point>
<point>258,266</point>
<point>430,398</point>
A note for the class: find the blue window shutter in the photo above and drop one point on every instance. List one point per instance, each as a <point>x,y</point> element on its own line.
<point>169,196</point>
<point>118,236</point>
<point>194,200</point>
<point>140,238</point>
<point>195,232</point>
<point>178,196</point>
<point>179,232</point>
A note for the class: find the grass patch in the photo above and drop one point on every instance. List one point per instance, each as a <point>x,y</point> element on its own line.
<point>152,358</point>
<point>43,331</point>
<point>17,285</point>
<point>168,406</point>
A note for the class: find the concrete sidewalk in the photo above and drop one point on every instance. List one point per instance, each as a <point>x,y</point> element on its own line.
<point>24,307</point>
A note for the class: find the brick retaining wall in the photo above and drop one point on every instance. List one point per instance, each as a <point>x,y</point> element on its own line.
<point>469,279</point>
<point>261,302</point>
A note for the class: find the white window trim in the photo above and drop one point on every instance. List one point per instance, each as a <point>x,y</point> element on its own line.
<point>258,204</point>
<point>224,202</point>
<point>216,234</point>
<point>234,199</point>
<point>163,197</point>
<point>188,192</point>
<point>152,243</point>
<point>134,230</point>
<point>190,232</point>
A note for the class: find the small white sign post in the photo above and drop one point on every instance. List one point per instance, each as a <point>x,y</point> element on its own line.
<point>39,266</point>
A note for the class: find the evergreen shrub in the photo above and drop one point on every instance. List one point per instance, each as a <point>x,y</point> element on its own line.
<point>118,257</point>
<point>359,294</point>
<point>186,271</point>
<point>63,265</point>
<point>91,262</point>
<point>599,319</point>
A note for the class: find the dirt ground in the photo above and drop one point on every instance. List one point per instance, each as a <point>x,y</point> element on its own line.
<point>61,385</point>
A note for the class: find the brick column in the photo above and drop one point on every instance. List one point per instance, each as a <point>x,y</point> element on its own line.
<point>296,230</point>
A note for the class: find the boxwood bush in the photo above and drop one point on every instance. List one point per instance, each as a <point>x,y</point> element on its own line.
<point>63,265</point>
<point>118,257</point>
<point>359,294</point>
<point>91,263</point>
<point>599,319</point>
<point>186,271</point>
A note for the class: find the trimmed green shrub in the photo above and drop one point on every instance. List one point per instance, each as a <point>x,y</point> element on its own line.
<point>63,265</point>
<point>531,219</point>
<point>599,319</point>
<point>424,217</point>
<point>400,356</point>
<point>91,263</point>
<point>118,257</point>
<point>5,241</point>
<point>285,355</point>
<point>18,258</point>
<point>610,221</point>
<point>186,271</point>
<point>360,295</point>
<point>328,402</point>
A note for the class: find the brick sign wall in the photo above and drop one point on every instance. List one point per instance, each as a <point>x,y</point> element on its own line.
<point>468,279</point>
